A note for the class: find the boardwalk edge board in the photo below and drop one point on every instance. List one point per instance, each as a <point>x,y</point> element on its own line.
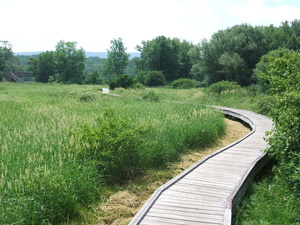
<point>240,189</point>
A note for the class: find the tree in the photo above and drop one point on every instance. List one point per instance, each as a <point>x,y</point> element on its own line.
<point>155,78</point>
<point>117,59</point>
<point>6,56</point>
<point>93,78</point>
<point>43,66</point>
<point>94,63</point>
<point>69,62</point>
<point>185,60</point>
<point>161,54</point>
<point>238,48</point>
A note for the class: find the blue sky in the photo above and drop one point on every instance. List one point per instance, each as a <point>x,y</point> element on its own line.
<point>38,25</point>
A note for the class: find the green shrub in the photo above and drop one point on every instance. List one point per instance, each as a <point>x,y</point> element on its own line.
<point>88,96</point>
<point>155,78</point>
<point>184,83</point>
<point>138,86</point>
<point>93,78</point>
<point>271,201</point>
<point>151,96</point>
<point>279,72</point>
<point>51,79</point>
<point>113,144</point>
<point>140,77</point>
<point>223,86</point>
<point>123,81</point>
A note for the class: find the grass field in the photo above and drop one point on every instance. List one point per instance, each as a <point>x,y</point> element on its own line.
<point>44,176</point>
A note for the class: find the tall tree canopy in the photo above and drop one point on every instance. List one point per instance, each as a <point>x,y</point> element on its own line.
<point>69,62</point>
<point>167,55</point>
<point>231,54</point>
<point>117,59</point>
<point>160,54</point>
<point>6,56</point>
<point>43,66</point>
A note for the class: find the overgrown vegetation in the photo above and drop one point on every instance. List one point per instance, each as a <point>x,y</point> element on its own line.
<point>269,201</point>
<point>184,83</point>
<point>279,72</point>
<point>114,144</point>
<point>38,156</point>
<point>48,176</point>
<point>223,86</point>
<point>123,81</point>
<point>275,200</point>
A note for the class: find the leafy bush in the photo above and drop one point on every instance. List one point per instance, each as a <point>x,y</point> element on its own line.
<point>93,78</point>
<point>184,83</point>
<point>155,78</point>
<point>113,144</point>
<point>223,86</point>
<point>151,96</point>
<point>123,81</point>
<point>279,71</point>
<point>88,96</point>
<point>140,77</point>
<point>138,86</point>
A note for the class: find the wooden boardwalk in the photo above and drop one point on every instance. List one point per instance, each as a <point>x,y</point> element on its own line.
<point>208,191</point>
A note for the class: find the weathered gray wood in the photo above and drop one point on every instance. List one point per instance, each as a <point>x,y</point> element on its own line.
<point>208,191</point>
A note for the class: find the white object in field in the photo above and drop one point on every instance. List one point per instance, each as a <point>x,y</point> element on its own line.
<point>105,90</point>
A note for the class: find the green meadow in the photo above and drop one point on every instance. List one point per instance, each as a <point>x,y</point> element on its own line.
<point>59,149</point>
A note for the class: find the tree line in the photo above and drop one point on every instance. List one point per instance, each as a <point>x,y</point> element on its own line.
<point>231,54</point>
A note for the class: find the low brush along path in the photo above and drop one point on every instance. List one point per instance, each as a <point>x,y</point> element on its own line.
<point>208,191</point>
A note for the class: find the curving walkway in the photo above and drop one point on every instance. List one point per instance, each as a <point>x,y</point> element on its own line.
<point>208,191</point>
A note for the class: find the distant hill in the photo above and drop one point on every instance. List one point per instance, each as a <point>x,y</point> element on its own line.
<point>88,54</point>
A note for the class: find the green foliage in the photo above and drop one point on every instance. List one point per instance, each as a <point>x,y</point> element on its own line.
<point>184,83</point>
<point>124,81</point>
<point>94,63</point>
<point>155,78</point>
<point>88,97</point>
<point>223,86</point>
<point>6,56</point>
<point>43,66</point>
<point>114,144</point>
<point>270,201</point>
<point>48,179</point>
<point>167,55</point>
<point>151,96</point>
<point>138,86</point>
<point>230,55</point>
<point>69,62</point>
<point>117,59</point>
<point>51,79</point>
<point>280,73</point>
<point>93,78</point>
<point>160,54</point>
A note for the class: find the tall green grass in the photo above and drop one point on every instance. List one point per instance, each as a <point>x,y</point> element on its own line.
<point>43,177</point>
<point>270,200</point>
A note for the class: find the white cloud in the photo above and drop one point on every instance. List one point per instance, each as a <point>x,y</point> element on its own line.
<point>257,12</point>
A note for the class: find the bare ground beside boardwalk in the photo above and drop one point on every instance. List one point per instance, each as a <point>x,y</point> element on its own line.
<point>123,205</point>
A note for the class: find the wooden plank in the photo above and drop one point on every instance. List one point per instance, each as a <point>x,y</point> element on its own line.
<point>188,219</point>
<point>187,212</point>
<point>196,202</point>
<point>185,206</point>
<point>208,191</point>
<point>159,220</point>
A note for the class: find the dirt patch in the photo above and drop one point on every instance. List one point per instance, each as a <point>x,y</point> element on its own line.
<point>122,206</point>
